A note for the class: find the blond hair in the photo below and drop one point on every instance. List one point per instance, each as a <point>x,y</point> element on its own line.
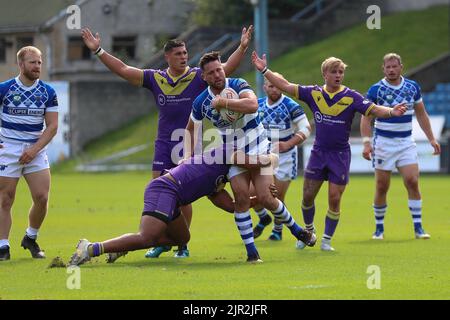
<point>391,56</point>
<point>331,63</point>
<point>29,49</point>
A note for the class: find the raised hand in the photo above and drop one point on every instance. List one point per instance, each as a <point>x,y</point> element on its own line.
<point>259,63</point>
<point>246,37</point>
<point>93,43</point>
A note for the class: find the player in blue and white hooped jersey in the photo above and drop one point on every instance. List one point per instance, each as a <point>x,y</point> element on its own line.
<point>29,120</point>
<point>287,127</point>
<point>393,145</point>
<point>248,134</point>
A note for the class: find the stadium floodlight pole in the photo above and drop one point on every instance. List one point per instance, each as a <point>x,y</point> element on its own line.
<point>261,37</point>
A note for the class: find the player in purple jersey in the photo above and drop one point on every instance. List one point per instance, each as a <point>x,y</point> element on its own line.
<point>393,145</point>
<point>333,107</point>
<point>174,89</point>
<point>161,222</point>
<point>26,104</point>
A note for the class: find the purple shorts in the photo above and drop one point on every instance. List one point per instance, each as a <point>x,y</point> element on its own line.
<point>161,200</point>
<point>333,166</point>
<point>163,155</point>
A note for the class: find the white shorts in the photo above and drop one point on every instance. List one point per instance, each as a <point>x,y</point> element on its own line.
<point>391,153</point>
<point>261,148</point>
<point>287,169</point>
<point>9,159</point>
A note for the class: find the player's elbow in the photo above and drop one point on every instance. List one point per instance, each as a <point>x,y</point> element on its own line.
<point>53,128</point>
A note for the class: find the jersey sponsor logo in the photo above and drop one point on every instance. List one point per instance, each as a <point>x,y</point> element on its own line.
<point>24,111</point>
<point>318,116</point>
<point>3,167</point>
<point>161,99</point>
<point>244,85</point>
<point>297,113</point>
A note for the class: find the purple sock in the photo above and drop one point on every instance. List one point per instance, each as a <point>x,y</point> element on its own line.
<point>308,214</point>
<point>331,222</point>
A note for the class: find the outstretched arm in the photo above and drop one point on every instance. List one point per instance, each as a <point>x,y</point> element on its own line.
<point>131,74</point>
<point>236,57</point>
<point>279,82</point>
<point>385,112</point>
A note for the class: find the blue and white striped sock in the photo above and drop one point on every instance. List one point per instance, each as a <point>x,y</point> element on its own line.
<point>415,208</point>
<point>277,226</point>
<point>284,216</point>
<point>261,213</point>
<point>243,221</point>
<point>380,212</point>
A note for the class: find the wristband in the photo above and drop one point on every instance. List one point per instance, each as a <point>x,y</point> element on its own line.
<point>264,70</point>
<point>99,52</point>
<point>366,139</point>
<point>390,112</point>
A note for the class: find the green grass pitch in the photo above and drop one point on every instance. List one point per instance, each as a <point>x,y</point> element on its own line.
<point>102,206</point>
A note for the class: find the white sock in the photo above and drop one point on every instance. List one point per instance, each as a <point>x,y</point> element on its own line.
<point>32,233</point>
<point>4,243</point>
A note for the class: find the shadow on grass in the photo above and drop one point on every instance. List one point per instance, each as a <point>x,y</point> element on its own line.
<point>173,264</point>
<point>381,242</point>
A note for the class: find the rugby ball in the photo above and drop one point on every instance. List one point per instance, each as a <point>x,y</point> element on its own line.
<point>229,115</point>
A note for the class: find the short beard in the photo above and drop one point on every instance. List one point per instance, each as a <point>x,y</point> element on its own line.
<point>30,76</point>
<point>217,87</point>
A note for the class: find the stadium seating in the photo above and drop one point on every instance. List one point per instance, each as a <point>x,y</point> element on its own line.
<point>437,102</point>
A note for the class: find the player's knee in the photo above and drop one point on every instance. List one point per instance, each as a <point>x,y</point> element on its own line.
<point>334,199</point>
<point>382,187</point>
<point>268,201</point>
<point>412,183</point>
<point>148,239</point>
<point>6,200</point>
<point>40,199</point>
<point>241,201</point>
